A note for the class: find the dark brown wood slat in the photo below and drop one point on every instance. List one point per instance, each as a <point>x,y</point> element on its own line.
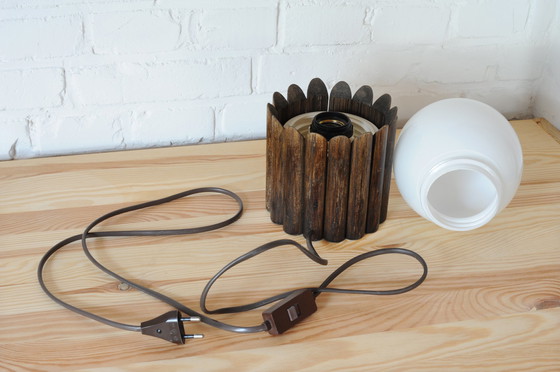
<point>314,185</point>
<point>381,107</point>
<point>356,108</point>
<point>391,136</point>
<point>340,105</point>
<point>297,103</point>
<point>361,102</point>
<point>317,96</point>
<point>383,103</point>
<point>276,192</point>
<point>378,118</point>
<point>292,180</point>
<point>364,95</point>
<point>270,112</point>
<point>341,97</point>
<point>376,180</point>
<point>295,93</point>
<point>358,188</point>
<point>368,112</point>
<point>281,105</point>
<point>336,193</point>
<point>270,108</point>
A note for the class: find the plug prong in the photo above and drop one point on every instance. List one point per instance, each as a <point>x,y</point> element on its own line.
<point>193,336</point>
<point>191,319</point>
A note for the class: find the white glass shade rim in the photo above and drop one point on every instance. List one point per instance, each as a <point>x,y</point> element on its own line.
<point>490,191</point>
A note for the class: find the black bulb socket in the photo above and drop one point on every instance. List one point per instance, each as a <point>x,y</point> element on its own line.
<point>330,124</point>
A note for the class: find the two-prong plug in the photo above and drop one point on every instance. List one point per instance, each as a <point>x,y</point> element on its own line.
<point>169,326</point>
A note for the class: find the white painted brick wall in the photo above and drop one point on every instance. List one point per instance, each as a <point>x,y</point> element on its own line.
<point>92,75</point>
<point>27,38</point>
<point>325,25</point>
<point>95,85</point>
<point>52,135</point>
<point>168,127</point>
<point>187,80</point>
<point>31,88</point>
<point>242,120</point>
<point>410,25</point>
<point>547,102</point>
<point>362,65</point>
<point>136,32</point>
<point>15,135</point>
<point>491,19</point>
<point>236,28</point>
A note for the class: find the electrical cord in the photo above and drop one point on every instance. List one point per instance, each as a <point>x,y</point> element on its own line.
<point>172,320</point>
<point>312,254</point>
<point>87,234</point>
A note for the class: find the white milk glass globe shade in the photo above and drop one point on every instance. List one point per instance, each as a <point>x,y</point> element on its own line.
<point>458,163</point>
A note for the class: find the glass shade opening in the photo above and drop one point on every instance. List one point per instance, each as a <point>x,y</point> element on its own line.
<point>462,199</point>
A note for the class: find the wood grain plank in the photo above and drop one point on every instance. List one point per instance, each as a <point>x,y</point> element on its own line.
<point>549,128</point>
<point>478,309</point>
<point>523,341</point>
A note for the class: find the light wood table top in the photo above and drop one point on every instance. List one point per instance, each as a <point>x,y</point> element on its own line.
<point>491,300</point>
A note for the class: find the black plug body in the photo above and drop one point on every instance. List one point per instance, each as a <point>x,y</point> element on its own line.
<point>290,311</point>
<point>169,326</point>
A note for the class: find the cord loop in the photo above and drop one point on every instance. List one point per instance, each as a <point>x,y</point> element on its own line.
<point>309,251</point>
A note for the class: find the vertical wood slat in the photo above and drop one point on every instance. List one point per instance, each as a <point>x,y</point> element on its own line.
<point>270,112</point>
<point>336,193</point>
<point>314,185</point>
<point>292,180</point>
<point>358,188</point>
<point>297,103</point>
<point>281,105</point>
<point>369,113</point>
<point>341,97</point>
<point>378,118</point>
<point>360,104</point>
<point>376,180</point>
<point>276,192</point>
<point>364,95</point>
<point>391,122</point>
<point>340,104</point>
<point>357,108</point>
<point>317,96</point>
<point>381,107</point>
<point>383,103</point>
